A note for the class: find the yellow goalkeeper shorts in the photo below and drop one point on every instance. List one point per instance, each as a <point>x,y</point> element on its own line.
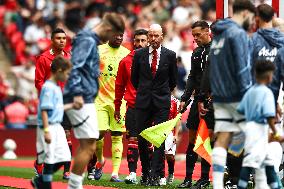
<point>106,121</point>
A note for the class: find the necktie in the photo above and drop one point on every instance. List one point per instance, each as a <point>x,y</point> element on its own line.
<point>154,62</point>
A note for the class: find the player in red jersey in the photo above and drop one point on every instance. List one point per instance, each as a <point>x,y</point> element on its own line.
<point>42,73</point>
<point>170,144</point>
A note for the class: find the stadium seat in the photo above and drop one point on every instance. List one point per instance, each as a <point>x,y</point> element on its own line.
<point>2,15</point>
<point>10,29</point>
<point>20,56</point>
<point>15,39</point>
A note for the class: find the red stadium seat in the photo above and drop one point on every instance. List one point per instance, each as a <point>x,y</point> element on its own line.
<point>2,11</point>
<point>2,15</point>
<point>20,52</point>
<point>10,30</point>
<point>20,48</point>
<point>20,59</point>
<point>15,39</point>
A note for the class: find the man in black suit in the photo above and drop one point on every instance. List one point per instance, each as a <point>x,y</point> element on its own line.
<point>153,75</point>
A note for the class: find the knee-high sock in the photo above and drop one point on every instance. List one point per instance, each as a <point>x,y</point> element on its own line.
<point>92,163</point>
<point>117,149</point>
<point>260,179</point>
<point>132,155</point>
<point>219,156</point>
<point>75,181</point>
<point>47,173</point>
<point>67,166</point>
<point>272,178</point>
<point>244,177</point>
<point>191,158</point>
<point>99,150</point>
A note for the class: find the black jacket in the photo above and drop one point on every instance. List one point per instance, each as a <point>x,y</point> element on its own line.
<point>154,91</point>
<point>199,63</point>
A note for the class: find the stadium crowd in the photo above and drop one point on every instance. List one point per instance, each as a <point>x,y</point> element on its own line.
<point>27,26</point>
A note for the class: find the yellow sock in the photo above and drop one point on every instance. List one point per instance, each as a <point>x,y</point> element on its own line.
<point>99,150</point>
<point>117,149</point>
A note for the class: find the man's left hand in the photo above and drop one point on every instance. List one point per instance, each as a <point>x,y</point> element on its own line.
<point>202,109</point>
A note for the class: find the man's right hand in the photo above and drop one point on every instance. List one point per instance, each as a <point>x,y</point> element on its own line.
<point>78,102</point>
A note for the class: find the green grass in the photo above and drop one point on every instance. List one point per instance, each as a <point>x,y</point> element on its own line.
<point>28,173</point>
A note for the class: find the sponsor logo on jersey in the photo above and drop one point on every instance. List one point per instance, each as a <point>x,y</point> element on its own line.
<point>217,45</point>
<point>268,54</point>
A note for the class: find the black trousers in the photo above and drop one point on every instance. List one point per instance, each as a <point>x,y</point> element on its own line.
<point>144,119</point>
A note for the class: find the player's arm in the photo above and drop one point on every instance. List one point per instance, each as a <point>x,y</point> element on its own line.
<point>80,52</point>
<point>46,103</point>
<point>268,109</point>
<point>240,51</point>
<point>68,106</point>
<point>40,73</point>
<point>45,124</point>
<point>177,129</point>
<point>178,125</point>
<point>189,88</point>
<point>120,84</point>
<point>135,70</point>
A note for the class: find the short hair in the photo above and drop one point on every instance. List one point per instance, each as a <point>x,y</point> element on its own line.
<point>140,32</point>
<point>263,67</point>
<point>59,62</point>
<point>57,30</point>
<point>241,5</point>
<point>115,21</point>
<point>265,12</point>
<point>201,23</point>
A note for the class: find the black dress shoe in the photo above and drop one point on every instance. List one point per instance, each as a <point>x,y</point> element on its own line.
<point>155,181</point>
<point>201,184</point>
<point>186,184</point>
<point>145,181</point>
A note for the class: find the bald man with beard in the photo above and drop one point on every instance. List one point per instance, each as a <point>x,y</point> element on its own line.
<point>153,75</point>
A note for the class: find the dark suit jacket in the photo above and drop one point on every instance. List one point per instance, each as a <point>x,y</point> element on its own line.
<point>154,90</point>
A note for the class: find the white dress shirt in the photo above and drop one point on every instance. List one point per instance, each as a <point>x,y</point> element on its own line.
<point>151,56</point>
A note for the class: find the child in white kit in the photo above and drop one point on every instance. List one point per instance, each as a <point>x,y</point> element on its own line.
<point>52,147</point>
<point>258,106</point>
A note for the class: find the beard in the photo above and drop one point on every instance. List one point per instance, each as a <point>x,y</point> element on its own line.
<point>246,25</point>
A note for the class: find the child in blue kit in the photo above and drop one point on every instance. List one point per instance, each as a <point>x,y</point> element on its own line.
<point>52,147</point>
<point>258,106</point>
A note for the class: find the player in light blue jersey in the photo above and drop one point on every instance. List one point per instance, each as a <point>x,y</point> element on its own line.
<point>52,147</point>
<point>259,109</point>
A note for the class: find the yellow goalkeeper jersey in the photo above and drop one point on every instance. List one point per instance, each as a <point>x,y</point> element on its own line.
<point>109,62</point>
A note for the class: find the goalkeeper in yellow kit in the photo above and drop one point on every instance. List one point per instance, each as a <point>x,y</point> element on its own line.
<point>110,54</point>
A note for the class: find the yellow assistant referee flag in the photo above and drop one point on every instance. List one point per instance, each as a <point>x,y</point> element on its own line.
<point>157,134</point>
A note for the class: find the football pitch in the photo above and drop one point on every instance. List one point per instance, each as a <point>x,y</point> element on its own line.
<point>21,171</point>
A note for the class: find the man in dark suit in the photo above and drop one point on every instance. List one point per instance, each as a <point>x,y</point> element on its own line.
<point>154,73</point>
